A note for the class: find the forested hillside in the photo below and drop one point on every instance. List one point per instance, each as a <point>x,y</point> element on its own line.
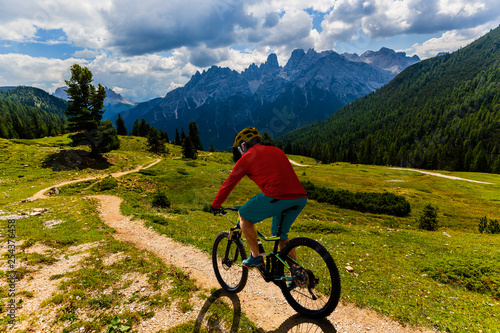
<point>27,113</point>
<point>441,113</point>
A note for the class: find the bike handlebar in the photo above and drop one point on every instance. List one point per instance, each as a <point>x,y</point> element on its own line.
<point>224,210</point>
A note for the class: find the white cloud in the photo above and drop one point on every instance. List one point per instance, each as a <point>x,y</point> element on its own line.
<point>386,18</point>
<point>448,42</point>
<point>20,69</point>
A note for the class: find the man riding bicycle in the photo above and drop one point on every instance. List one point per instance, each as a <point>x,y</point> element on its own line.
<point>270,169</point>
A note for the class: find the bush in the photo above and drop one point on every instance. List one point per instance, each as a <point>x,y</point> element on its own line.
<point>108,183</point>
<point>491,227</point>
<point>428,218</point>
<point>160,199</point>
<point>377,203</point>
<point>483,224</point>
<point>494,227</point>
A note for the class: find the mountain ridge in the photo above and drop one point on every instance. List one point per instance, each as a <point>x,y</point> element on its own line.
<point>310,87</point>
<point>441,113</point>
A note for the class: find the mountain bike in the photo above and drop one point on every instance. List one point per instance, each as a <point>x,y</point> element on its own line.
<point>303,269</point>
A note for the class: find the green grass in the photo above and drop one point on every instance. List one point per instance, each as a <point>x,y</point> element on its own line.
<point>446,279</point>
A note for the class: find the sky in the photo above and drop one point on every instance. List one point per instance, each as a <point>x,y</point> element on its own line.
<point>144,49</point>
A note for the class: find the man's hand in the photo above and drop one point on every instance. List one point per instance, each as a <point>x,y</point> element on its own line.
<point>214,211</point>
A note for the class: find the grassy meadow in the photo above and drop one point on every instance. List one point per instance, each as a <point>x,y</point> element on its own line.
<point>447,279</point>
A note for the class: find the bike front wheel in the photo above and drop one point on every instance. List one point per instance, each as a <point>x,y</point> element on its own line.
<point>227,257</point>
<point>313,289</point>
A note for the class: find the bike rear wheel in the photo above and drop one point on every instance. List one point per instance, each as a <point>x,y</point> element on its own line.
<point>315,287</point>
<point>229,271</point>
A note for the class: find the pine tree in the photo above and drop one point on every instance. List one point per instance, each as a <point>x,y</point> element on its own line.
<point>194,135</point>
<point>143,128</point>
<point>177,140</point>
<point>85,110</point>
<point>183,135</point>
<point>155,143</point>
<point>120,126</point>
<point>188,149</point>
<point>164,136</point>
<point>135,128</point>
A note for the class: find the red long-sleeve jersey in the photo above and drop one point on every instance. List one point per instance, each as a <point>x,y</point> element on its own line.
<point>270,169</point>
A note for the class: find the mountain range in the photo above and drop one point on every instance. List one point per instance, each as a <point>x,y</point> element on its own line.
<point>276,99</point>
<point>441,113</point>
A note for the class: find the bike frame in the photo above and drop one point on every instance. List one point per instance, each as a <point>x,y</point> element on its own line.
<point>270,270</point>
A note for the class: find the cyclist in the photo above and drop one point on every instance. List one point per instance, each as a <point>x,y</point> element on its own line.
<point>271,170</point>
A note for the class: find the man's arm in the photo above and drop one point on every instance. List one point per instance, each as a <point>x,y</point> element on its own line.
<point>238,172</point>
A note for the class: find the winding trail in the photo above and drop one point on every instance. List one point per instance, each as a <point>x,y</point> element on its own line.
<point>261,302</point>
<point>435,174</point>
<point>41,194</point>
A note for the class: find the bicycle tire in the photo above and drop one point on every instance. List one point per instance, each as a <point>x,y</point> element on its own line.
<point>317,276</point>
<point>232,275</point>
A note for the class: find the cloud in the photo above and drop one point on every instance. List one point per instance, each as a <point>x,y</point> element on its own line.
<point>384,19</point>
<point>157,25</point>
<point>45,73</point>
<point>448,42</point>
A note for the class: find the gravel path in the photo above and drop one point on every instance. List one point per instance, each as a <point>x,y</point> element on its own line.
<point>435,174</point>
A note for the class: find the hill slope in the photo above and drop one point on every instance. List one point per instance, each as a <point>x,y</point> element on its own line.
<point>441,113</point>
<point>28,112</point>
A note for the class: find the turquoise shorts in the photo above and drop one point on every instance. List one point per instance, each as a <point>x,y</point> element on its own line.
<point>261,207</point>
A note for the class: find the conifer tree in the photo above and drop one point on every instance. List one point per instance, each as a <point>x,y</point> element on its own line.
<point>177,140</point>
<point>155,143</point>
<point>194,135</point>
<point>188,149</point>
<point>135,128</point>
<point>143,128</point>
<point>120,125</point>
<point>85,110</point>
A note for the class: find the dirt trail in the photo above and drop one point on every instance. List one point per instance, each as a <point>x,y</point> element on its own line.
<point>261,302</point>
<point>435,174</point>
<point>41,194</point>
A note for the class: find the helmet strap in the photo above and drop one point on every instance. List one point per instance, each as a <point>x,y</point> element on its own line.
<point>242,148</point>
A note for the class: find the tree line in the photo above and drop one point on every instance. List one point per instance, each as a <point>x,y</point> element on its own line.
<point>156,139</point>
<point>29,113</point>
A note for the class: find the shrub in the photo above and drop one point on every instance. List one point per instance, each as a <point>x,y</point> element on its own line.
<point>494,227</point>
<point>491,227</point>
<point>160,199</point>
<point>108,183</point>
<point>377,203</point>
<point>483,224</point>
<point>428,218</point>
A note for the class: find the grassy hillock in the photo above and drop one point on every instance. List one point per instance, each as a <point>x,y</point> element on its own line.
<point>446,279</point>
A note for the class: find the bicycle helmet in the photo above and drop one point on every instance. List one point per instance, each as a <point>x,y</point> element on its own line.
<point>246,135</point>
<point>246,138</point>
